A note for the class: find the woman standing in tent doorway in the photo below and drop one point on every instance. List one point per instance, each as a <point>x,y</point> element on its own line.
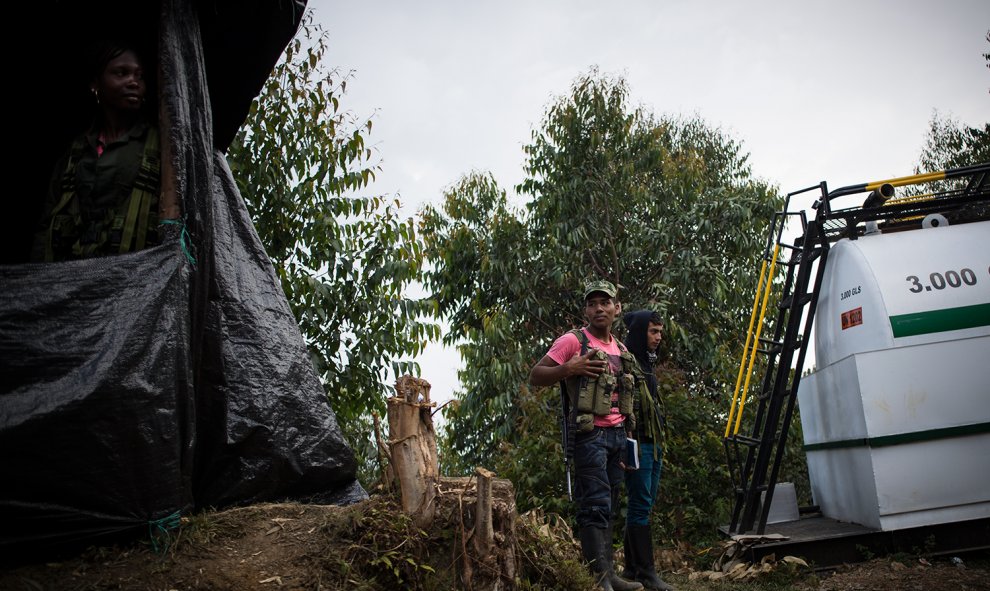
<point>104,195</point>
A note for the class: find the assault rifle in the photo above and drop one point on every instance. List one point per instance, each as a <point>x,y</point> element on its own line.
<point>566,435</point>
<point>567,425</point>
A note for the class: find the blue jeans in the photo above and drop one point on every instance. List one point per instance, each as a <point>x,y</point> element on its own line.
<point>598,476</point>
<point>641,485</point>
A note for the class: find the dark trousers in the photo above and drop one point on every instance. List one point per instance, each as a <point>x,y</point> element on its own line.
<point>598,474</point>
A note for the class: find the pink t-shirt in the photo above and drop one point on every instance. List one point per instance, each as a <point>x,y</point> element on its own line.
<point>568,345</point>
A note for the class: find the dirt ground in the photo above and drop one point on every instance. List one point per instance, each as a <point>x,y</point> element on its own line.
<point>910,575</point>
<point>369,546</point>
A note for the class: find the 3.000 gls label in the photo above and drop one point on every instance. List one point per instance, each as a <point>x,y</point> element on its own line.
<point>939,281</point>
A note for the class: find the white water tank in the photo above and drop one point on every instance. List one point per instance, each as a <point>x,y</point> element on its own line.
<point>896,417</point>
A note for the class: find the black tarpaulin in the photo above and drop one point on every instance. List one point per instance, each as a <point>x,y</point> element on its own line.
<point>139,386</point>
<point>97,393</point>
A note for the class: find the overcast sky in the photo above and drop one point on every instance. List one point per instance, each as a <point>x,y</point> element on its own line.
<point>840,91</point>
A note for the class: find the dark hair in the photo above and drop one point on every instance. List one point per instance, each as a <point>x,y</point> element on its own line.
<point>104,51</point>
<point>93,62</point>
<point>655,318</point>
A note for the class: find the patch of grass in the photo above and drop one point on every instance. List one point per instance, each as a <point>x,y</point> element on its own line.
<point>864,552</point>
<point>549,555</point>
<point>199,530</point>
<point>374,545</point>
<point>904,558</point>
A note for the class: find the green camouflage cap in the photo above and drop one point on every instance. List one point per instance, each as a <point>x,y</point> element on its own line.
<point>602,286</point>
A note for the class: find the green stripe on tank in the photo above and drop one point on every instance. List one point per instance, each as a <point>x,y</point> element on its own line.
<point>902,438</point>
<point>909,325</point>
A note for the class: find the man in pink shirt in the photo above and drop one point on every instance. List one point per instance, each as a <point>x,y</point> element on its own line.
<point>588,362</point>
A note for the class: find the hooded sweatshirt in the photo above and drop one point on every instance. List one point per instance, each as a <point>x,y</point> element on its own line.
<point>637,324</point>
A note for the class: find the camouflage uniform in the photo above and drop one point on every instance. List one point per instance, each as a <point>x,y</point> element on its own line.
<point>105,204</point>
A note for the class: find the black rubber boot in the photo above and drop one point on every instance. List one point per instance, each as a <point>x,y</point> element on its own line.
<point>641,541</point>
<point>618,583</point>
<point>629,569</point>
<point>593,549</point>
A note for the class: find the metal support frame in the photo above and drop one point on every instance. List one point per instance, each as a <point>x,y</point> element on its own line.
<point>754,461</point>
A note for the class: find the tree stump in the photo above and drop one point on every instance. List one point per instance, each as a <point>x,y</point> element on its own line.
<point>413,444</point>
<point>484,534</point>
<point>483,508</point>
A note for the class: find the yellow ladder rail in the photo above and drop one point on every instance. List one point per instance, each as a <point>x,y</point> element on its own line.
<point>749,334</point>
<point>756,340</point>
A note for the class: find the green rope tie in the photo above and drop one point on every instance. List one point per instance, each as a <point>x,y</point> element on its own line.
<point>160,532</point>
<point>184,239</point>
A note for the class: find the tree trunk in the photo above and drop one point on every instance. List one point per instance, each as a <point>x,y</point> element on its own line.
<point>413,443</point>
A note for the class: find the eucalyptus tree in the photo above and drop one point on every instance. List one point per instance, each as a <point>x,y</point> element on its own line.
<point>667,207</point>
<point>345,260</point>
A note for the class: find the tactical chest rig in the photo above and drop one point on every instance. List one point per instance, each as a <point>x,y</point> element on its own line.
<point>582,398</point>
<point>590,397</point>
<point>75,232</point>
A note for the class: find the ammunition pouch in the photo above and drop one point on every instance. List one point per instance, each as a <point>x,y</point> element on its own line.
<point>592,397</point>
<point>627,393</point>
<point>648,410</point>
<point>127,226</point>
<point>584,423</point>
<point>595,395</point>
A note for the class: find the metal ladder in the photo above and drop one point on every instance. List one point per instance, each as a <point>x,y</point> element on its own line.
<point>754,460</point>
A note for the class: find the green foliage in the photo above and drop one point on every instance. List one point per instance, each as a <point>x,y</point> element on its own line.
<point>344,260</point>
<point>476,247</point>
<point>378,547</point>
<point>534,460</point>
<point>694,496</point>
<point>865,552</point>
<point>549,555</point>
<point>666,207</point>
<point>949,144</point>
<point>693,499</point>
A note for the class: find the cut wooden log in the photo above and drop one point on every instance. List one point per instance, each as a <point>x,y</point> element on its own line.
<point>413,444</point>
<point>487,560</point>
<point>484,533</point>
